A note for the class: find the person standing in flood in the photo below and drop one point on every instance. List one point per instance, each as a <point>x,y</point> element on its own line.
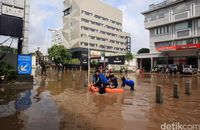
<point>43,65</point>
<point>129,83</point>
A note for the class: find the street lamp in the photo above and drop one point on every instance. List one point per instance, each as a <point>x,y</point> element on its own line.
<point>88,58</point>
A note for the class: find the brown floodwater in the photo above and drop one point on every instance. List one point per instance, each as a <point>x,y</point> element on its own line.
<point>61,102</point>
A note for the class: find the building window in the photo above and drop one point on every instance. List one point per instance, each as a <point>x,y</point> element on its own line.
<point>97,16</point>
<point>109,47</point>
<point>83,35</point>
<point>162,44</point>
<point>183,25</point>
<point>184,42</point>
<point>68,11</point>
<point>86,13</point>
<point>92,37</point>
<point>198,40</point>
<point>105,19</point>
<point>198,23</point>
<point>84,44</point>
<point>167,29</point>
<point>183,33</point>
<point>112,41</point>
<point>102,46</point>
<point>85,20</point>
<point>92,45</point>
<point>161,14</point>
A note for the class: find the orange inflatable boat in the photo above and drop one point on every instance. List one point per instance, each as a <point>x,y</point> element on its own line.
<point>108,90</point>
<point>93,88</point>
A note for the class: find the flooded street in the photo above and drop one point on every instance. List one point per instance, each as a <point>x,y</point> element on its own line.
<point>61,102</point>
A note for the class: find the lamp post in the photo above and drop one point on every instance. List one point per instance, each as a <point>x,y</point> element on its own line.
<point>88,58</point>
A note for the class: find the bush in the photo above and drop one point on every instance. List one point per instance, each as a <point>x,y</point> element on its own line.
<point>7,69</point>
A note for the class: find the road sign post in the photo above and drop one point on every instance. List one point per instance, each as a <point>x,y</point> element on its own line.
<point>24,66</point>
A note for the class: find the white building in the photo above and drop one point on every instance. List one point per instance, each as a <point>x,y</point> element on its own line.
<point>174,27</point>
<point>57,37</point>
<point>96,23</point>
<point>15,10</point>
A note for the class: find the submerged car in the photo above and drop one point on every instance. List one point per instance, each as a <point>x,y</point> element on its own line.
<point>190,69</point>
<point>173,68</point>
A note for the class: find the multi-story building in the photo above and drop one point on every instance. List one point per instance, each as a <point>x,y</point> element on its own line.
<point>96,23</point>
<point>174,27</point>
<point>57,37</point>
<point>14,21</point>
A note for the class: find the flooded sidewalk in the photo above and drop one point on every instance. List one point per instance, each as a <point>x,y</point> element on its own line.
<point>60,101</point>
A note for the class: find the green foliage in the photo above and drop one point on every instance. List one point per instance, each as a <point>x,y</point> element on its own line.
<point>8,50</point>
<point>143,50</point>
<point>7,69</point>
<point>129,56</point>
<point>59,54</point>
<point>74,61</point>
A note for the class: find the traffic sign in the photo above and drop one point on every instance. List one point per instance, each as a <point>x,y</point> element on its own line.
<point>24,64</point>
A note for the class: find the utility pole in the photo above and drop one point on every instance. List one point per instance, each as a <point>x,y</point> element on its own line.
<point>88,59</point>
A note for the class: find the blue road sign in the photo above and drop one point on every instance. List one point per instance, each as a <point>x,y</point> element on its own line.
<point>24,64</point>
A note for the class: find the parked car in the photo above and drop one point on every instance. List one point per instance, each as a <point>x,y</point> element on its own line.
<point>190,69</point>
<point>173,68</point>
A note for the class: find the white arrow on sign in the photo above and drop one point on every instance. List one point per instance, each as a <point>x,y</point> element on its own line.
<point>23,68</point>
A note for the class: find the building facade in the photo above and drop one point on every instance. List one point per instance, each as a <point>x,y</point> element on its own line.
<point>96,23</point>
<point>174,27</point>
<point>57,37</point>
<point>14,21</point>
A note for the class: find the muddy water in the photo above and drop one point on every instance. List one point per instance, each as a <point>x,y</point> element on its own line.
<point>61,102</point>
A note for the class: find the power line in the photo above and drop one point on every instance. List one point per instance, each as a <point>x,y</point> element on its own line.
<point>5,41</point>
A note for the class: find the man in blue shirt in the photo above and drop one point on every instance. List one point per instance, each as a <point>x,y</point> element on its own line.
<point>101,81</point>
<point>129,83</point>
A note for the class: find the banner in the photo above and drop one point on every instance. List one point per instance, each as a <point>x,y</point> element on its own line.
<point>178,47</point>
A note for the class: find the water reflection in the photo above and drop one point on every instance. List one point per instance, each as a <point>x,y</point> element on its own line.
<point>60,102</point>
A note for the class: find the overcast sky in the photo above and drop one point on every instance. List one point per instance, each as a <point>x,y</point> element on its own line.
<point>45,14</point>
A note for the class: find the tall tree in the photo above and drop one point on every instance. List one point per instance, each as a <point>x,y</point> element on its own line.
<point>8,50</point>
<point>129,56</point>
<point>59,54</point>
<point>143,50</point>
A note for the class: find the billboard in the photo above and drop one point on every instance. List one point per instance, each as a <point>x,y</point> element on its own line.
<point>7,10</point>
<point>120,60</point>
<point>11,26</point>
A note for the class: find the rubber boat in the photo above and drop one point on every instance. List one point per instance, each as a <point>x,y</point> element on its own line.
<point>108,90</point>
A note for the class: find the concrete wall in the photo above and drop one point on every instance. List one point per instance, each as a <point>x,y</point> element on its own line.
<point>18,8</point>
<point>10,59</point>
<point>26,26</point>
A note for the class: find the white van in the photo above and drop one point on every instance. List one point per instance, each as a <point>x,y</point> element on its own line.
<point>189,69</point>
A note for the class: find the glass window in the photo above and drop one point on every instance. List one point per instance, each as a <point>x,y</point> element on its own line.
<point>162,30</point>
<point>184,25</point>
<point>168,29</point>
<point>198,40</point>
<point>84,20</point>
<point>189,41</point>
<point>184,42</point>
<point>68,11</point>
<point>190,24</point>
<point>198,23</point>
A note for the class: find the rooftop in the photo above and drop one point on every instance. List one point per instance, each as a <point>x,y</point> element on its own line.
<point>164,4</point>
